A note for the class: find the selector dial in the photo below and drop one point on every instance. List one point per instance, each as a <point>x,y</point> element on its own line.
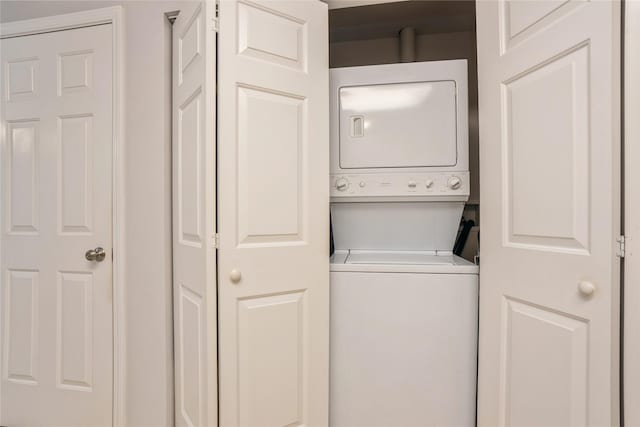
<point>429,183</point>
<point>454,183</point>
<point>342,184</point>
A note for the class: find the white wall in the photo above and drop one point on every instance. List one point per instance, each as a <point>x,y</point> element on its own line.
<point>149,400</point>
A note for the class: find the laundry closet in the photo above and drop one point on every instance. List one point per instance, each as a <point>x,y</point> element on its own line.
<point>400,180</point>
<point>413,212</point>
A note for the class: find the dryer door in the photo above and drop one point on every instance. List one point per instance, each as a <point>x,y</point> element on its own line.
<point>398,125</point>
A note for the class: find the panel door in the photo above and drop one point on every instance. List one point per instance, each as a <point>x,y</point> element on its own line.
<point>194,180</point>
<point>549,78</point>
<point>273,200</point>
<point>56,204</point>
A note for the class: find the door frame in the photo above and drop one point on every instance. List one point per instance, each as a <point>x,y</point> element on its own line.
<point>631,138</point>
<point>114,16</point>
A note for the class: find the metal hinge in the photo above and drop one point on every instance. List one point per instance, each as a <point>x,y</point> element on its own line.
<point>621,247</point>
<point>216,19</point>
<point>216,241</point>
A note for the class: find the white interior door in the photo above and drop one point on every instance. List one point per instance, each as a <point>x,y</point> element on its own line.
<point>56,204</point>
<point>273,207</point>
<point>549,78</point>
<point>194,192</point>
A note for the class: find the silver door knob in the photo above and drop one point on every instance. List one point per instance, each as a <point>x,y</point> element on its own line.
<point>98,254</point>
<point>586,288</point>
<point>235,276</point>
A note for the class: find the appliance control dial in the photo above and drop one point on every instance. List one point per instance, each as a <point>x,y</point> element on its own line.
<point>342,184</point>
<point>454,183</point>
<point>429,183</point>
<point>411,184</point>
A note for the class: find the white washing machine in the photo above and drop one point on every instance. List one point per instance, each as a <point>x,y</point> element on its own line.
<point>404,309</point>
<point>403,340</point>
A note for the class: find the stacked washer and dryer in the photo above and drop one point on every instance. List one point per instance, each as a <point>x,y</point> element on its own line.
<point>404,308</point>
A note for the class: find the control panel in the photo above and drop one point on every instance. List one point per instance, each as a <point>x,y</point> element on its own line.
<point>400,184</point>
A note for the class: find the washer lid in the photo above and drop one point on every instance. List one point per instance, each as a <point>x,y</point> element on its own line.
<point>399,257</point>
<point>400,262</point>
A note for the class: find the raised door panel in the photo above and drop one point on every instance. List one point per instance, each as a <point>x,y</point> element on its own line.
<point>21,327</point>
<point>271,357</point>
<point>76,178</point>
<point>75,72</point>
<point>191,348</point>
<point>22,78</point>
<point>546,149</point>
<point>271,36</point>
<point>75,331</point>
<point>189,46</point>
<point>543,388</point>
<point>522,19</point>
<point>190,171</point>
<point>23,209</point>
<point>271,174</point>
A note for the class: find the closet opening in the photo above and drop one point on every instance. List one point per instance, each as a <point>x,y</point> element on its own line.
<point>404,213</point>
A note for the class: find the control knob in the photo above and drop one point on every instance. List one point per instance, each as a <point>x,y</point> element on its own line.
<point>454,183</point>
<point>342,184</point>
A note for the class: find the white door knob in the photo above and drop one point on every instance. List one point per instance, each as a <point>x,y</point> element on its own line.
<point>586,288</point>
<point>235,276</point>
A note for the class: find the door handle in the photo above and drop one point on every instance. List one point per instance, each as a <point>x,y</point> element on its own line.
<point>98,254</point>
<point>586,288</point>
<point>235,276</point>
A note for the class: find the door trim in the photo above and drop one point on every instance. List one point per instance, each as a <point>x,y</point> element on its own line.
<point>631,350</point>
<point>108,15</point>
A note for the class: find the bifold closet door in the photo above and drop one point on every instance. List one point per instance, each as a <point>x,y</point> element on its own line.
<point>194,215</point>
<point>273,207</point>
<point>549,95</point>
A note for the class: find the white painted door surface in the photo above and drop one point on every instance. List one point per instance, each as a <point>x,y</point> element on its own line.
<point>550,163</point>
<point>273,201</point>
<point>57,344</point>
<point>194,181</point>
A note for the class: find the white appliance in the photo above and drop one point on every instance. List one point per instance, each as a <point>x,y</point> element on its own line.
<point>400,130</point>
<point>404,309</point>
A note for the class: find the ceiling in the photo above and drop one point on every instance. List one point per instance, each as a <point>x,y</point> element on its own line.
<point>386,20</point>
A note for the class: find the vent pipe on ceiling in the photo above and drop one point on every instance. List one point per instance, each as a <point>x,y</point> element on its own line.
<point>408,44</point>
